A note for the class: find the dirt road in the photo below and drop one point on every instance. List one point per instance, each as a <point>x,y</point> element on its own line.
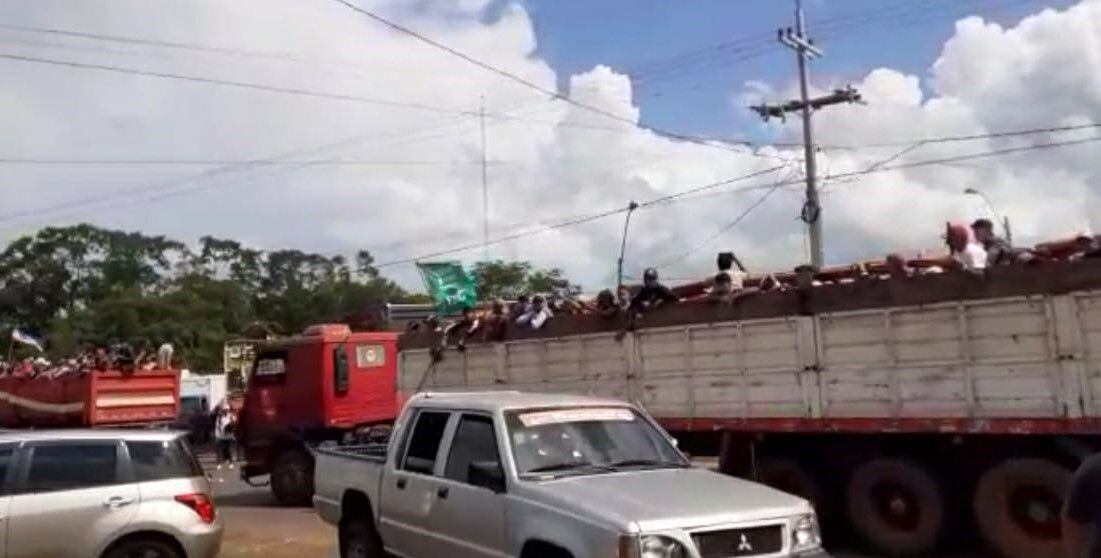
<point>257,527</point>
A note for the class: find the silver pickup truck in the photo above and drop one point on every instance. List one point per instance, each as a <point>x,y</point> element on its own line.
<point>545,476</point>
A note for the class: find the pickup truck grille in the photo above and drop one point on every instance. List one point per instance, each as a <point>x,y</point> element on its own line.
<point>731,543</point>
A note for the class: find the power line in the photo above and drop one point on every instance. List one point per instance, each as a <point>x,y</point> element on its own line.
<point>682,194</point>
<point>959,138</point>
<point>234,83</point>
<point>532,85</point>
<point>727,227</point>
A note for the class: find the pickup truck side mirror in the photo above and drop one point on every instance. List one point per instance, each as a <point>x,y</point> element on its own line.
<point>486,474</point>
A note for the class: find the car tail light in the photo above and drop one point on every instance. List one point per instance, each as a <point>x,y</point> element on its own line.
<point>200,504</point>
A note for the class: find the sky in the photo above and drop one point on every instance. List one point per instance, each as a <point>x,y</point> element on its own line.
<point>305,124</point>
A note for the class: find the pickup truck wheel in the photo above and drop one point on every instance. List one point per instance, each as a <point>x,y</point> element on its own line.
<point>358,539</point>
<point>292,479</point>
<point>1017,506</point>
<point>897,506</point>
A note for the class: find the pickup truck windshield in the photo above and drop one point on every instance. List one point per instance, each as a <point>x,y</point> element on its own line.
<point>587,440</point>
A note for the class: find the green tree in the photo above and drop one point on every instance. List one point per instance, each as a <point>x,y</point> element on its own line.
<point>84,285</point>
<point>508,280</point>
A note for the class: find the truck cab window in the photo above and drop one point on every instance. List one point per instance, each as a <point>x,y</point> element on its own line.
<point>270,368</point>
<point>474,443</point>
<point>424,442</point>
<point>340,370</point>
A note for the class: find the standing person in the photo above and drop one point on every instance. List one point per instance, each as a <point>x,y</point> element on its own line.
<point>1082,511</point>
<point>223,436</point>
<point>998,250</point>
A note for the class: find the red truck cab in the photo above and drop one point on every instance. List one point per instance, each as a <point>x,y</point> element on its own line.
<point>322,385</point>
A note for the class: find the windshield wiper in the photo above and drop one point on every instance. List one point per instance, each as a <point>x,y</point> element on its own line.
<point>559,467</point>
<point>646,463</point>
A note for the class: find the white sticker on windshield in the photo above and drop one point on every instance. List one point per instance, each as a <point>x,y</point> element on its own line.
<point>559,416</point>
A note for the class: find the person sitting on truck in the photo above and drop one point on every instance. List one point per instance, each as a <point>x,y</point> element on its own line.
<point>966,254</point>
<point>722,289</point>
<point>652,294</point>
<point>898,268</point>
<point>459,330</point>
<point>495,328</point>
<point>520,307</point>
<point>998,250</point>
<point>606,305</point>
<point>1086,247</point>
<point>623,298</point>
<point>537,315</point>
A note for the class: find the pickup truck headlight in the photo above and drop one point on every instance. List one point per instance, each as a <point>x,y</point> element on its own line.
<point>661,547</point>
<point>805,533</point>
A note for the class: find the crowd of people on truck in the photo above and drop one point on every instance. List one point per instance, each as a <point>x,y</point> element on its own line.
<point>971,248</point>
<point>118,356</point>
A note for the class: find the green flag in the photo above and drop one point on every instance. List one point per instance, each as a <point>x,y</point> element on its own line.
<point>449,285</point>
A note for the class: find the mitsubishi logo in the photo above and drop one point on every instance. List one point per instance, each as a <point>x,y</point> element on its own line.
<point>743,545</point>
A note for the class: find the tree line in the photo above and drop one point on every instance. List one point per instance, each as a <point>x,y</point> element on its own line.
<point>80,286</point>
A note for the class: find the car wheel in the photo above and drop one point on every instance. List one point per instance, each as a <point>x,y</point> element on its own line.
<point>897,506</point>
<point>292,479</point>
<point>142,548</point>
<point>1017,506</point>
<point>359,539</point>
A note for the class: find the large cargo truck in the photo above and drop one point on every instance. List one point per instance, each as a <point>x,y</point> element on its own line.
<point>905,409</point>
<point>90,399</point>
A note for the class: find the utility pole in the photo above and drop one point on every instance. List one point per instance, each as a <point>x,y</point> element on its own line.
<point>485,184</point>
<point>804,48</point>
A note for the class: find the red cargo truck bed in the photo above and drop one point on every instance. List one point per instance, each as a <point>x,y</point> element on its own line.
<point>101,398</point>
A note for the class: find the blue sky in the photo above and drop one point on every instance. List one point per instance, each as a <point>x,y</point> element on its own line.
<point>696,95</point>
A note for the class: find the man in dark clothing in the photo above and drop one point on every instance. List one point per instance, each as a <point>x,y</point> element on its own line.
<point>998,250</point>
<point>652,294</point>
<point>1082,511</point>
<point>496,324</point>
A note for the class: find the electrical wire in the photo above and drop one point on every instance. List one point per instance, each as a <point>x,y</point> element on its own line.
<point>685,193</point>
<point>733,223</point>
<point>551,94</point>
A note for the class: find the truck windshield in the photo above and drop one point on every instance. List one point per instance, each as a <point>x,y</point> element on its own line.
<point>587,440</point>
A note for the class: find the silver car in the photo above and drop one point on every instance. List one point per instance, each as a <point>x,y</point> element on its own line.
<point>104,494</point>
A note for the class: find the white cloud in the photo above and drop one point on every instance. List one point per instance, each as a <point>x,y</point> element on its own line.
<point>547,160</point>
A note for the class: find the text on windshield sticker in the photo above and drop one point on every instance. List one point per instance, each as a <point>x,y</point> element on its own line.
<point>558,416</point>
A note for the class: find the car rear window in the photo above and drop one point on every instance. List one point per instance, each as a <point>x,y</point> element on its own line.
<point>159,460</point>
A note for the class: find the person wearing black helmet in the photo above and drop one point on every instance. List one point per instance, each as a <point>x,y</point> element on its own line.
<point>652,294</point>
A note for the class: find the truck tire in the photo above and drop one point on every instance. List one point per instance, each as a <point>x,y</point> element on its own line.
<point>359,539</point>
<point>897,506</point>
<point>786,474</point>
<point>1017,505</point>
<point>292,478</point>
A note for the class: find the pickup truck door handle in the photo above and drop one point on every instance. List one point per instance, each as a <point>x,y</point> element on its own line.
<point>116,502</point>
<point>401,484</point>
<point>442,492</point>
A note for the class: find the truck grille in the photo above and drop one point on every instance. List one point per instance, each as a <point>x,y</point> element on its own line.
<point>730,543</point>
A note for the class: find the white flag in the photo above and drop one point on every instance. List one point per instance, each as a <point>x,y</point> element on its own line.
<point>26,339</point>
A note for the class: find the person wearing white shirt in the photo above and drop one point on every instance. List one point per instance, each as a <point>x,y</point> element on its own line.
<point>968,254</point>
